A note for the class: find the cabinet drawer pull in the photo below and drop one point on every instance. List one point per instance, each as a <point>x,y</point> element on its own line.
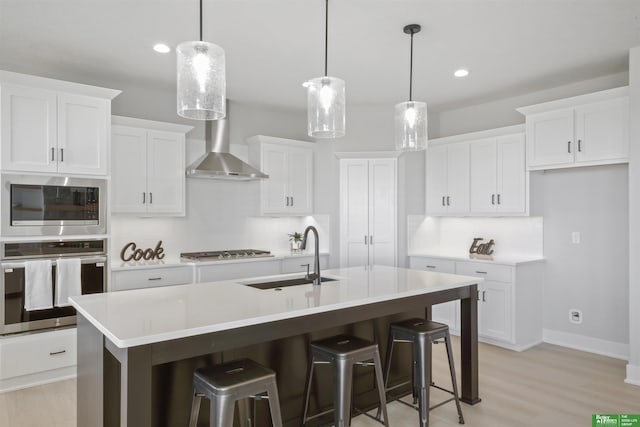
<point>53,153</point>
<point>481,272</point>
<point>62,154</point>
<point>498,199</point>
<point>287,200</point>
<point>431,266</point>
<point>443,197</point>
<point>150,198</point>
<point>569,147</point>
<point>579,145</point>
<point>55,353</point>
<point>483,295</point>
<point>493,199</point>
<point>144,198</point>
<point>448,198</point>
<point>291,200</point>
<point>154,278</point>
<point>365,240</point>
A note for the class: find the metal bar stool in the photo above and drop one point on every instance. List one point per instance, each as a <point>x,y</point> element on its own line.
<point>342,353</point>
<point>421,333</point>
<point>234,381</point>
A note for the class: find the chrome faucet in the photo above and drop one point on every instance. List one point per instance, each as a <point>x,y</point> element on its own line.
<point>316,265</point>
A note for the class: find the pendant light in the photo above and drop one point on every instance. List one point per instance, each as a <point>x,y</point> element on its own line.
<point>325,98</point>
<point>201,79</point>
<point>411,116</point>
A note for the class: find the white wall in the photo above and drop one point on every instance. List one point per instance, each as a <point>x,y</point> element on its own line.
<point>633,368</point>
<point>591,276</point>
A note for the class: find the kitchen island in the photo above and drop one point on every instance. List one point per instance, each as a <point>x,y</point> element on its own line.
<point>147,328</point>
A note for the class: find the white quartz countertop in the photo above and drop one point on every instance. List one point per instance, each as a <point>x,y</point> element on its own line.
<point>145,316</point>
<point>498,259</point>
<point>170,262</point>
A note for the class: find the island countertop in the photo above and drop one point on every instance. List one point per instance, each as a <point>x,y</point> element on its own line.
<point>147,316</point>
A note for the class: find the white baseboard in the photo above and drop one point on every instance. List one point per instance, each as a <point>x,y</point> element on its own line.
<point>633,374</point>
<point>592,345</point>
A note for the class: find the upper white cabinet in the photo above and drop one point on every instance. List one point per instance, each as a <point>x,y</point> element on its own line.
<point>580,131</point>
<point>148,167</point>
<point>53,126</point>
<point>478,174</point>
<point>498,179</point>
<point>289,164</point>
<point>368,211</point>
<point>447,179</point>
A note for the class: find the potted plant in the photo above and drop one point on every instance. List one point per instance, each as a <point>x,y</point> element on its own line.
<point>296,240</point>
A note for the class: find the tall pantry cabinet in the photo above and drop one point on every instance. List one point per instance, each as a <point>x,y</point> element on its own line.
<point>368,211</point>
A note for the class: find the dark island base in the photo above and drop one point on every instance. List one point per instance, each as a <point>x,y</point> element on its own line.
<point>171,400</point>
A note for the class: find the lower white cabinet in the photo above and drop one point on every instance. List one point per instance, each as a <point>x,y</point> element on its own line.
<point>509,300</point>
<point>297,264</point>
<point>135,278</point>
<point>30,359</point>
<point>226,271</point>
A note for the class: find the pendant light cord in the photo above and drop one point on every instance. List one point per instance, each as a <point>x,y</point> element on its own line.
<point>410,69</point>
<point>200,20</point>
<point>326,35</point>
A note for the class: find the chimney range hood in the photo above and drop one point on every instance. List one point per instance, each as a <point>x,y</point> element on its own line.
<point>217,162</point>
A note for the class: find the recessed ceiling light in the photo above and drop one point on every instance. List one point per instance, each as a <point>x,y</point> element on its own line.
<point>162,48</point>
<point>461,73</point>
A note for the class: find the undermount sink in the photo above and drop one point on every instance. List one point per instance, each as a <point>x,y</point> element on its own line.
<point>278,284</point>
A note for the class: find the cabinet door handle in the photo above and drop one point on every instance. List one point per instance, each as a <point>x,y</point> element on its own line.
<point>291,200</point>
<point>62,154</point>
<point>53,153</point>
<point>483,295</point>
<point>579,145</point>
<point>287,197</point>
<point>498,199</point>
<point>493,199</point>
<point>443,201</point>
<point>154,278</point>
<point>448,199</point>
<point>55,353</point>
<point>365,240</point>
<point>568,146</point>
<point>144,198</point>
<point>481,272</point>
<point>150,198</point>
<point>371,239</point>
<point>430,266</point>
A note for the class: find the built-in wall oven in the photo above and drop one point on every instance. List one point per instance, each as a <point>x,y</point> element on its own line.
<point>52,206</point>
<point>15,317</point>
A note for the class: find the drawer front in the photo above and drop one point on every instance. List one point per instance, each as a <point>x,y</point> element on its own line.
<point>241,270</point>
<point>499,273</point>
<point>38,352</point>
<point>433,264</point>
<point>298,264</point>
<point>135,279</point>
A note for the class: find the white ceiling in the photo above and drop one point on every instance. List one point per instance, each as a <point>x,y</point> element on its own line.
<point>272,46</point>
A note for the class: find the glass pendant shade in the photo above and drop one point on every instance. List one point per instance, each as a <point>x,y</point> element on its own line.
<point>411,126</point>
<point>326,107</point>
<point>201,81</point>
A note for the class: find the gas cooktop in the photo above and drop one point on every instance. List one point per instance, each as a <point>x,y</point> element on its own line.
<point>224,255</point>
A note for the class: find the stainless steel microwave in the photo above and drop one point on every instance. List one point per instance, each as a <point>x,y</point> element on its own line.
<point>52,206</point>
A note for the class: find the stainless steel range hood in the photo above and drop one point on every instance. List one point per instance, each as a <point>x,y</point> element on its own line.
<point>217,162</point>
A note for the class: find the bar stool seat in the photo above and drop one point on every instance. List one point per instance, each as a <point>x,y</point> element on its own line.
<point>342,352</point>
<point>421,333</point>
<point>227,383</point>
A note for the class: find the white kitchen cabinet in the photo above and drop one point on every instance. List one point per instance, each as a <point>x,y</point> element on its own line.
<point>446,312</point>
<point>298,264</point>
<point>54,126</point>
<point>148,167</point>
<point>447,178</point>
<point>289,164</point>
<point>30,359</point>
<point>509,299</point>
<point>368,211</point>
<point>498,177</point>
<point>222,270</point>
<point>584,130</point>
<point>141,277</point>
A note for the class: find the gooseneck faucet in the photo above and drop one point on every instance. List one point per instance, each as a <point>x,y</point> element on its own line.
<point>316,266</point>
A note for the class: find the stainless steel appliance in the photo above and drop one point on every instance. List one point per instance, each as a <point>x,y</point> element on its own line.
<point>52,206</point>
<point>15,318</point>
<point>224,255</point>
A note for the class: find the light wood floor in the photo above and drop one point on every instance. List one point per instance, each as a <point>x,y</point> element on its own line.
<point>546,385</point>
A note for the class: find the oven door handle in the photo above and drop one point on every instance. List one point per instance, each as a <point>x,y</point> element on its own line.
<point>83,260</point>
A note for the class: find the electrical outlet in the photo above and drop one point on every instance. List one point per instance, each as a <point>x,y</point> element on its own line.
<point>575,316</point>
<point>575,237</point>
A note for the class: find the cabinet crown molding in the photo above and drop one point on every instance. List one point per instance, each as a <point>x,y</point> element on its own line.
<point>574,101</point>
<point>277,140</point>
<point>471,136</point>
<point>8,77</point>
<point>367,154</point>
<point>150,124</point>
